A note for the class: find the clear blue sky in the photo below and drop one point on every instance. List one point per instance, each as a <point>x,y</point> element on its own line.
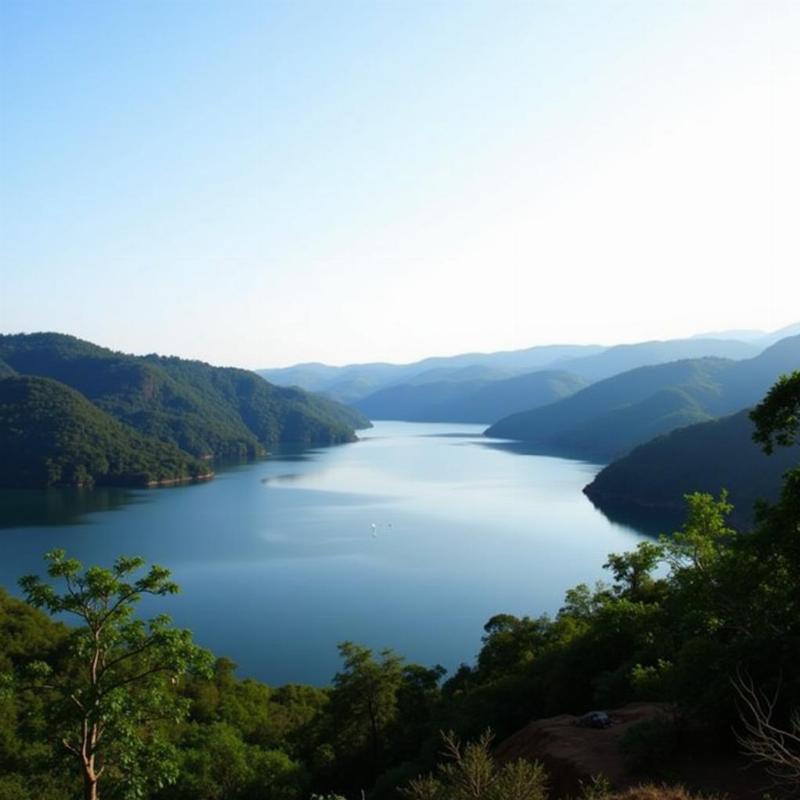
<point>260,183</point>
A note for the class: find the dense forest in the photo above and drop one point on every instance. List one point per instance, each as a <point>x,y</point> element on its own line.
<point>708,457</point>
<point>52,435</point>
<point>706,621</point>
<point>170,411</point>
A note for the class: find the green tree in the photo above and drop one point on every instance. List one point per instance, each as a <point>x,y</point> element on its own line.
<point>364,700</point>
<point>777,416</point>
<point>632,570</point>
<point>107,700</point>
<point>509,643</point>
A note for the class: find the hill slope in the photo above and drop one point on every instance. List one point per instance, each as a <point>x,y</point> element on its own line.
<point>204,410</point>
<point>479,401</point>
<point>50,435</point>
<point>610,417</point>
<point>706,457</point>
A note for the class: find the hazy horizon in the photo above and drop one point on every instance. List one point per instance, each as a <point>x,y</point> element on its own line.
<point>266,183</point>
<point>753,334</point>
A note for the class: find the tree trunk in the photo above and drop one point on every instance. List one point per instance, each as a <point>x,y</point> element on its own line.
<point>90,778</point>
<point>90,785</point>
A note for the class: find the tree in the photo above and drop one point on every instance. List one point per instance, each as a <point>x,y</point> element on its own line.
<point>765,740</point>
<point>777,416</point>
<point>364,699</point>
<point>771,731</point>
<point>777,421</point>
<point>703,537</point>
<point>119,680</point>
<point>632,570</point>
<point>509,643</point>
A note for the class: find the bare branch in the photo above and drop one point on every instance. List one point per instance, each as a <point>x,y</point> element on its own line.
<point>765,741</point>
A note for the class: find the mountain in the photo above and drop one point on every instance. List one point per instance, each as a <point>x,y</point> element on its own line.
<point>782,333</point>
<point>480,401</point>
<point>612,416</point>
<point>206,411</point>
<point>624,357</point>
<point>355,382</point>
<point>51,435</point>
<point>566,421</point>
<point>706,457</point>
<point>5,370</point>
<point>740,334</point>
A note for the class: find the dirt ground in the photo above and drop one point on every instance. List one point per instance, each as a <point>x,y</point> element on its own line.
<point>573,754</point>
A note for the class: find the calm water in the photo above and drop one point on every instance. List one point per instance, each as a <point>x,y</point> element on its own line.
<point>411,539</point>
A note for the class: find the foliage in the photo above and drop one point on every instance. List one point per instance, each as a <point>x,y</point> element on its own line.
<point>104,706</point>
<point>50,435</point>
<point>186,406</point>
<point>706,457</point>
<point>470,773</point>
<point>364,703</point>
<point>777,417</point>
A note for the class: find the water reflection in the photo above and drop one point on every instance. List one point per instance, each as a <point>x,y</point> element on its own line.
<point>21,508</point>
<point>650,521</point>
<point>530,449</point>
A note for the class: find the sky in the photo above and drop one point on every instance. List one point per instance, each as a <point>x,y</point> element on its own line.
<point>263,183</point>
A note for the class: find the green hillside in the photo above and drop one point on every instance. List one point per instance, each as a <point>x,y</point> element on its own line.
<point>204,410</point>
<point>480,401</point>
<point>605,397</point>
<point>50,435</point>
<point>707,457</point>
<point>610,417</point>
<point>619,430</point>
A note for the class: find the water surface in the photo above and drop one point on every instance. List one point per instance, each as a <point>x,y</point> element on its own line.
<point>411,539</point>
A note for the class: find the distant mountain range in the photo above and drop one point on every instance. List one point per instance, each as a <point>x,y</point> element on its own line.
<point>117,418</point>
<point>610,417</point>
<point>357,381</point>
<point>392,391</point>
<point>478,401</point>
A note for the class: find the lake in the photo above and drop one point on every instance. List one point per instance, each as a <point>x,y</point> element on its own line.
<point>410,538</point>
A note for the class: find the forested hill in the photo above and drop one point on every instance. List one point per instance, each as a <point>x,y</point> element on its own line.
<point>706,457</point>
<point>51,435</point>
<point>479,400</point>
<point>203,410</point>
<point>610,417</point>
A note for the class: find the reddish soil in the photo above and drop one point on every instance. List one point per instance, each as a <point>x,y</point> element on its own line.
<point>574,754</point>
